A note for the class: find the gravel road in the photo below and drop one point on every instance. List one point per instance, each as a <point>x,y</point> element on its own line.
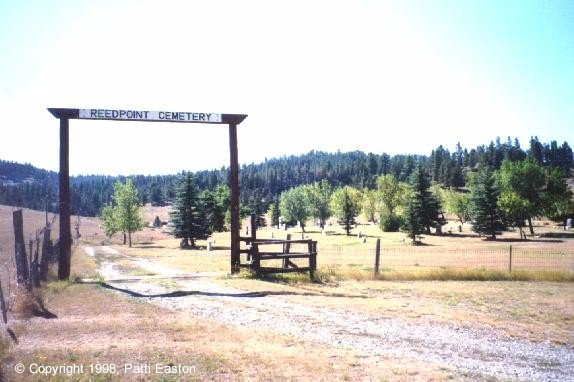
<point>479,352</point>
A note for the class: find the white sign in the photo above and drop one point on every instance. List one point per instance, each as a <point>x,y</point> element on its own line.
<point>146,115</point>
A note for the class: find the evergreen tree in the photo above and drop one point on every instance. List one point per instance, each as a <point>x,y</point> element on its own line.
<point>188,217</point>
<point>346,205</point>
<point>274,213</point>
<point>535,151</point>
<point>222,196</point>
<point>413,223</point>
<point>484,209</point>
<point>557,198</point>
<point>428,205</point>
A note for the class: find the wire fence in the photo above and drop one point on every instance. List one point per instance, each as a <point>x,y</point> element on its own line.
<point>510,259</point>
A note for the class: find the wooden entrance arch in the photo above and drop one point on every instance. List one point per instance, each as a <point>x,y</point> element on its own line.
<point>64,115</point>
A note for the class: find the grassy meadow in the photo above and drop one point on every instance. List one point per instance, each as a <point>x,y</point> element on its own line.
<point>97,325</point>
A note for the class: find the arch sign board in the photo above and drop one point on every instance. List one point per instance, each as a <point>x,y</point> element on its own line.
<point>65,114</point>
<point>149,116</point>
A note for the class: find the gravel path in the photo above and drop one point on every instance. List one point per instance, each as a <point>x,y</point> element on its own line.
<point>475,351</point>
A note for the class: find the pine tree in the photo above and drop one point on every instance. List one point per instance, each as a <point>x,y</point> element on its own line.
<point>188,217</point>
<point>346,205</point>
<point>274,213</point>
<point>427,205</point>
<point>413,222</point>
<point>484,209</point>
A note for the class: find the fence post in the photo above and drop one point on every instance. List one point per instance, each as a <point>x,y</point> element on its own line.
<point>377,257</point>
<point>286,249</point>
<point>312,259</point>
<point>22,269</point>
<point>46,253</point>
<point>3,305</point>
<point>256,260</point>
<point>510,259</point>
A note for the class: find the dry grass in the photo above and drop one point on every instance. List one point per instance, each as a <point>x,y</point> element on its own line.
<point>96,326</point>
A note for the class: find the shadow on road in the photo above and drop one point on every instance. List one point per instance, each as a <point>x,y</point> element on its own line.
<point>219,294</point>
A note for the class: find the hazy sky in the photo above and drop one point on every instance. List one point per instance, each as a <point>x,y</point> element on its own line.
<point>379,76</point>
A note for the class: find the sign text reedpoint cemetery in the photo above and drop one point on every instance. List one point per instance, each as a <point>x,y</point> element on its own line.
<point>146,115</point>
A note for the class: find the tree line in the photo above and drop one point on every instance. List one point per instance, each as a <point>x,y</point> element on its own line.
<point>491,199</point>
<point>262,184</point>
<point>194,214</point>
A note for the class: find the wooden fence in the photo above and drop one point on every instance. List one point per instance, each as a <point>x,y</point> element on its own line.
<point>285,251</point>
<point>30,262</point>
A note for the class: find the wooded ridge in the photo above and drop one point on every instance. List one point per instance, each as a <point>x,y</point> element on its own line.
<point>24,185</point>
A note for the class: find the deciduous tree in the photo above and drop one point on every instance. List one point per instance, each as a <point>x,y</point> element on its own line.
<point>125,214</point>
<point>319,199</point>
<point>294,205</point>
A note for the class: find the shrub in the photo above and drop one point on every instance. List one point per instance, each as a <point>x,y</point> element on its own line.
<point>389,223</point>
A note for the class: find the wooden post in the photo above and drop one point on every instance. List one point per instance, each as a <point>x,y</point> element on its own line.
<point>46,253</point>
<point>35,269</point>
<point>3,305</point>
<point>256,260</point>
<point>312,259</point>
<point>510,260</point>
<point>234,186</point>
<point>377,257</point>
<point>253,224</point>
<point>22,270</point>
<point>286,249</point>
<point>65,234</point>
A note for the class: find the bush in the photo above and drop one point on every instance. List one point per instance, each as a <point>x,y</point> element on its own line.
<point>389,223</point>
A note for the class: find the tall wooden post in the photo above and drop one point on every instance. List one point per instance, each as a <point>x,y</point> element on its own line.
<point>234,185</point>
<point>22,269</point>
<point>377,257</point>
<point>65,234</point>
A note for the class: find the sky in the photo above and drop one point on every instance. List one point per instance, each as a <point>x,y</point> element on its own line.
<point>377,76</point>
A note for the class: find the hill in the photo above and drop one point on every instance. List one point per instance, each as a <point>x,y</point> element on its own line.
<point>26,186</point>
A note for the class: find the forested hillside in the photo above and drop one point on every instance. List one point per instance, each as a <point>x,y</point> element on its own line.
<point>26,186</point>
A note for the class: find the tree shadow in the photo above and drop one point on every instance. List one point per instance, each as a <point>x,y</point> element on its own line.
<point>180,293</point>
<point>12,335</point>
<point>39,310</point>
<point>518,240</point>
<point>458,235</point>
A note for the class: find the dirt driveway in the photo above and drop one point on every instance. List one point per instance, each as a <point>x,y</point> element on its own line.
<point>480,352</point>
